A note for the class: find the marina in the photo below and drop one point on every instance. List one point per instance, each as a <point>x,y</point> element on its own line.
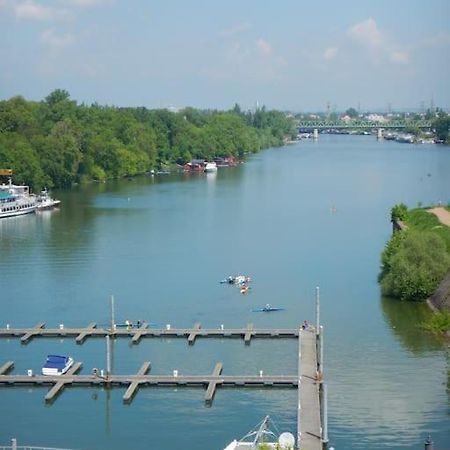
<point>162,254</point>
<point>310,432</point>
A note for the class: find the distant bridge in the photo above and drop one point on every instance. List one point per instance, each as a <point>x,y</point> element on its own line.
<point>365,124</point>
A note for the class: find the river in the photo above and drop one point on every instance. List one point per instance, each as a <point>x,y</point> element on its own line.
<point>305,215</point>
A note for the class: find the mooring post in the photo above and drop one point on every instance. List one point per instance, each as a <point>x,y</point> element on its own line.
<point>108,357</point>
<point>317,309</point>
<point>429,443</point>
<point>299,404</point>
<point>13,444</point>
<point>113,318</point>
<point>325,414</point>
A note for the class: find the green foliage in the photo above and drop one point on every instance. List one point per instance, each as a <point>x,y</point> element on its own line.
<point>441,126</point>
<point>56,142</point>
<point>414,266</point>
<point>438,323</point>
<point>351,112</point>
<point>399,212</point>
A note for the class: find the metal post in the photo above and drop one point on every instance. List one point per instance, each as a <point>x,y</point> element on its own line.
<point>429,443</point>
<point>113,318</point>
<point>108,357</point>
<point>299,406</point>
<point>317,309</point>
<point>321,350</point>
<point>13,444</point>
<point>325,414</point>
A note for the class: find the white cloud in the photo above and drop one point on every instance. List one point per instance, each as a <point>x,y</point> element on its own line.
<point>263,47</point>
<point>56,43</point>
<point>399,57</point>
<point>31,10</point>
<point>441,39</point>
<point>367,33</point>
<point>330,53</point>
<point>235,30</point>
<point>247,62</point>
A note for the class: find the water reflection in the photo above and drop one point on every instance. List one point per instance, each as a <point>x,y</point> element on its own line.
<point>405,320</point>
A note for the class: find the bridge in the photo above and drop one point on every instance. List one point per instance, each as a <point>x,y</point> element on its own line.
<point>361,124</point>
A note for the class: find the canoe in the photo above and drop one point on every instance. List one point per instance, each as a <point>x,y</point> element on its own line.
<point>267,309</point>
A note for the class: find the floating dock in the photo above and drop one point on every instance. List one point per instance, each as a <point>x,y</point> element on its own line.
<point>145,331</point>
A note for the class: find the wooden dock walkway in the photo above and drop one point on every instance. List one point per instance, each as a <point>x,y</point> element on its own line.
<point>141,378</point>
<point>144,331</point>
<point>309,423</point>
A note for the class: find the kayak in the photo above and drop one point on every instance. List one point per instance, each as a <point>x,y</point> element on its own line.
<point>267,309</point>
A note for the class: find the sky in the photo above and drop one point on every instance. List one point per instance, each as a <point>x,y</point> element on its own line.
<point>292,55</point>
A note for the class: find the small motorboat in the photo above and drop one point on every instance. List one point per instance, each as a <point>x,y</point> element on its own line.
<point>268,308</point>
<point>238,279</point>
<point>57,365</point>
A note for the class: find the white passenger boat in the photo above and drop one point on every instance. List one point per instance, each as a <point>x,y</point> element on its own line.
<point>57,365</point>
<point>261,437</point>
<point>16,200</point>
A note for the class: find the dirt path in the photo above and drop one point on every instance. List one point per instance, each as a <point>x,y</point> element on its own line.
<point>442,214</point>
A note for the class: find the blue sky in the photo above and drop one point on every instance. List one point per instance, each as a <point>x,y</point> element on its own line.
<point>286,54</point>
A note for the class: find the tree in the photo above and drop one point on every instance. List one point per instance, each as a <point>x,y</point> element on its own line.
<point>441,127</point>
<point>351,112</point>
<point>399,212</point>
<point>416,267</point>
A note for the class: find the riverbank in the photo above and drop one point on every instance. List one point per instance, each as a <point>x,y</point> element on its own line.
<point>431,277</point>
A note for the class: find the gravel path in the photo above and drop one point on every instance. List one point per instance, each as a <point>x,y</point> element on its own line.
<point>442,214</point>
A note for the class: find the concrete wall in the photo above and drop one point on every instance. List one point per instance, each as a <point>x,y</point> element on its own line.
<point>440,300</point>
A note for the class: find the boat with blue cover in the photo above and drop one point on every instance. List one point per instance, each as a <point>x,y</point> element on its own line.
<point>57,365</point>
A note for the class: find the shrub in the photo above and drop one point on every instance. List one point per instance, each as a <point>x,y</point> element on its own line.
<point>414,265</point>
<point>399,212</point>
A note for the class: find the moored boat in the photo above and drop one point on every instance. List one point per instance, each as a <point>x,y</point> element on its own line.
<point>262,437</point>
<point>44,201</point>
<point>16,200</point>
<point>57,365</point>
<point>210,167</point>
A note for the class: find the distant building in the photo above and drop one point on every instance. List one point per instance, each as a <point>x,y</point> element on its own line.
<point>376,118</point>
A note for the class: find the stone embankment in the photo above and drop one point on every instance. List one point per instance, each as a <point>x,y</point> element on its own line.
<point>440,300</point>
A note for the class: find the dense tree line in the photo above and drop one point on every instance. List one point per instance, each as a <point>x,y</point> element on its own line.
<point>57,142</point>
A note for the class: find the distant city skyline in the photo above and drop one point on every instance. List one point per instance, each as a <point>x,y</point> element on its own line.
<point>287,55</point>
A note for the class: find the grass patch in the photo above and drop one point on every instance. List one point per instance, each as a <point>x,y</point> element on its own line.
<point>422,220</point>
<point>438,323</point>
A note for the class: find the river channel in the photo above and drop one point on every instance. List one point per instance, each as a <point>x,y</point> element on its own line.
<point>293,218</point>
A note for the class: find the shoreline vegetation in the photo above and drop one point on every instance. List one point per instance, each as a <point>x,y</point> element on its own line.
<point>415,264</point>
<point>56,142</point>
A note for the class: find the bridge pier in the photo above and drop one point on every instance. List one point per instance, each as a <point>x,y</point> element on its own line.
<point>380,133</point>
<point>316,134</point>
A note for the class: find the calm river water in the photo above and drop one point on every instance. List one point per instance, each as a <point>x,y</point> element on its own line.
<point>161,245</point>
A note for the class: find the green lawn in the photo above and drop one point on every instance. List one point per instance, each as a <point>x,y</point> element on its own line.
<point>420,219</point>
